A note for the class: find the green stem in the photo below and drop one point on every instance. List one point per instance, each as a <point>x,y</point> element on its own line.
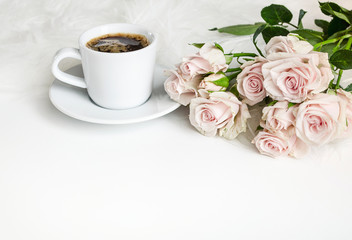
<point>349,43</point>
<point>244,55</point>
<point>316,46</point>
<point>292,25</point>
<point>232,76</point>
<point>233,69</point>
<point>337,46</point>
<point>238,61</point>
<point>256,47</point>
<point>338,79</point>
<point>333,40</point>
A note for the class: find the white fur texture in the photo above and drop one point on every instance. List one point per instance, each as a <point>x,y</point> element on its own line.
<point>32,31</point>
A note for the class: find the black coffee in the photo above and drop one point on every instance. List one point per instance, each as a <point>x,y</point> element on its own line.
<point>118,42</point>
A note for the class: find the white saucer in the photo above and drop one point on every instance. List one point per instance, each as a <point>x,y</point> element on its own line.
<point>76,103</point>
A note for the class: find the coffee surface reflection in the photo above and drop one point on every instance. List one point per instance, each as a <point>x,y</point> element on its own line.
<point>118,42</point>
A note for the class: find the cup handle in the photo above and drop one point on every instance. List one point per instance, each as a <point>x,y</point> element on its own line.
<point>65,77</point>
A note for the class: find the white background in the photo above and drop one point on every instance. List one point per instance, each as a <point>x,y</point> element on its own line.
<point>61,178</point>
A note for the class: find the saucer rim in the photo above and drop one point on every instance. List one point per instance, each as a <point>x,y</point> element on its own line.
<point>116,121</point>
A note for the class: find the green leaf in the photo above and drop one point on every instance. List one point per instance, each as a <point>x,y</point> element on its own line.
<point>324,25</point>
<point>290,104</point>
<point>331,91</point>
<point>328,7</point>
<point>241,29</point>
<point>222,82</point>
<point>342,44</point>
<point>337,25</point>
<point>198,45</point>
<point>268,100</point>
<point>259,128</point>
<point>272,31</point>
<point>228,58</point>
<point>258,31</point>
<point>328,48</point>
<point>234,90</point>
<point>256,34</point>
<point>343,17</point>
<point>313,37</point>
<point>219,47</point>
<point>300,17</point>
<point>272,103</point>
<point>234,75</point>
<point>348,88</point>
<point>334,10</point>
<point>275,14</point>
<point>342,59</point>
<point>341,34</point>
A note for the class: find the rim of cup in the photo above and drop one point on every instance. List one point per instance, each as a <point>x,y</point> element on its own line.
<point>152,38</point>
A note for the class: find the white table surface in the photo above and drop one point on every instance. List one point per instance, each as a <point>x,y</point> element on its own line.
<point>61,178</point>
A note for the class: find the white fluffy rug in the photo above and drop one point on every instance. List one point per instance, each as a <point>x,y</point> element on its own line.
<point>33,30</point>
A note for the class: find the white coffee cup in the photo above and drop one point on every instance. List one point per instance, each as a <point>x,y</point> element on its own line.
<point>113,80</point>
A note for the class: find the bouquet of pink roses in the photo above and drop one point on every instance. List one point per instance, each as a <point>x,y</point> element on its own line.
<point>297,81</point>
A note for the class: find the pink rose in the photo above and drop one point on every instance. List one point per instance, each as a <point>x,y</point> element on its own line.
<point>287,44</point>
<point>250,82</point>
<point>325,70</point>
<point>293,77</point>
<point>208,59</point>
<point>208,83</point>
<point>345,101</point>
<point>299,148</point>
<point>180,89</point>
<point>273,144</point>
<point>214,56</point>
<point>217,114</point>
<point>277,117</point>
<point>194,65</point>
<point>281,143</point>
<point>318,119</point>
<point>239,125</point>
